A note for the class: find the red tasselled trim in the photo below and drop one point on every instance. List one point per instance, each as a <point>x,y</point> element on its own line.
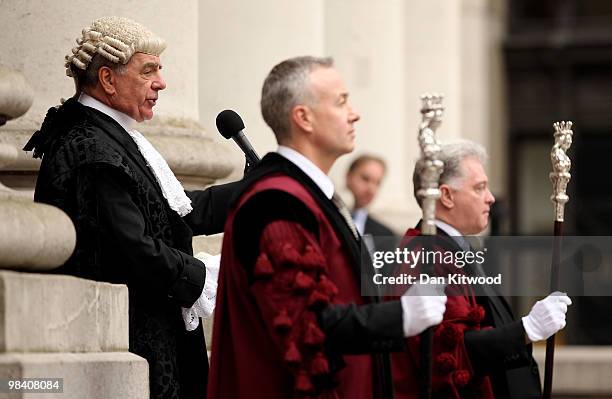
<point>263,266</point>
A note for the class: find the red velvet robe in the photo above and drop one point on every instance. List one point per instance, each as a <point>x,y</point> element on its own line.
<point>266,340</point>
<point>453,376</point>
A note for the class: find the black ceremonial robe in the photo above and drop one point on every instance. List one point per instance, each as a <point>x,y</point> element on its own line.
<point>128,234</point>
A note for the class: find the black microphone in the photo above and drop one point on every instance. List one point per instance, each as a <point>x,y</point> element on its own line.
<point>231,126</point>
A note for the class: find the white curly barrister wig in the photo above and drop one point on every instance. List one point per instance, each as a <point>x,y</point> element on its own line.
<point>114,38</point>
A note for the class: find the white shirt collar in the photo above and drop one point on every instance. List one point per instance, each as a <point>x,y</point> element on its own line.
<point>360,216</point>
<point>124,120</point>
<point>454,234</point>
<point>311,170</point>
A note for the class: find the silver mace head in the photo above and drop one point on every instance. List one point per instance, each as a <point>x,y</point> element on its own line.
<point>561,165</point>
<point>432,112</point>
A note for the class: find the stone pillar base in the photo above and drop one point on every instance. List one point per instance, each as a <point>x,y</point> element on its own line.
<point>85,375</point>
<point>55,313</point>
<point>579,371</point>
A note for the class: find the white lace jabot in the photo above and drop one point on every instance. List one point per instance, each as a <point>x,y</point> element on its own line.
<point>171,188</point>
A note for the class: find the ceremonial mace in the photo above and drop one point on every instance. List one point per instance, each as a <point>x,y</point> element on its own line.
<point>559,177</point>
<point>429,193</point>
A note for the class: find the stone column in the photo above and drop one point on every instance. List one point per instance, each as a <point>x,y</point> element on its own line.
<point>240,41</point>
<point>33,236</point>
<point>368,45</point>
<point>390,54</point>
<point>483,97</point>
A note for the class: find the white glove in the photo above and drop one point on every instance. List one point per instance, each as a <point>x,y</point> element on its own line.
<point>205,304</point>
<point>546,316</point>
<point>423,307</point>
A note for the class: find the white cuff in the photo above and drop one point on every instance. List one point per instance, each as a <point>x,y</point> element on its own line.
<point>530,329</point>
<point>190,318</point>
<point>205,304</point>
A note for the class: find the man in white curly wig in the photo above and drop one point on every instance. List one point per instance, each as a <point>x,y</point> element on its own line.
<point>134,221</point>
<point>117,62</point>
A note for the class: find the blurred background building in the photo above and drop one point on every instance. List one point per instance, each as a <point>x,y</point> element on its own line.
<point>508,69</point>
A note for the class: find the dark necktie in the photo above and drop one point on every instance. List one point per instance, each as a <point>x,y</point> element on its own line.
<point>346,214</point>
<point>477,270</point>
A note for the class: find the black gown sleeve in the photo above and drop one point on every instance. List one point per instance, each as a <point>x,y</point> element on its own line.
<point>210,208</point>
<point>151,260</point>
<point>497,349</point>
<point>357,329</point>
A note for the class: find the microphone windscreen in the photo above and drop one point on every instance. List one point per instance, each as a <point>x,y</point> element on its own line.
<point>229,123</point>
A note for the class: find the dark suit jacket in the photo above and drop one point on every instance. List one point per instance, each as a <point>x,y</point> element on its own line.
<point>383,237</point>
<point>501,352</point>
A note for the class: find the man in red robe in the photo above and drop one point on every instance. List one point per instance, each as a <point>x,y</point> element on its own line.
<point>291,318</point>
<point>480,350</point>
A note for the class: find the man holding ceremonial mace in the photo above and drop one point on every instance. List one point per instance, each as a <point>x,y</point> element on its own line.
<point>479,350</point>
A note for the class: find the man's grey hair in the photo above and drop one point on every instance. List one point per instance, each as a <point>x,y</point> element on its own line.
<point>451,154</point>
<point>287,85</point>
<point>88,78</point>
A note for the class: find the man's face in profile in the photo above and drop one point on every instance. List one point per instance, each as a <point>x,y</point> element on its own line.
<point>333,114</point>
<point>472,199</point>
<point>137,86</point>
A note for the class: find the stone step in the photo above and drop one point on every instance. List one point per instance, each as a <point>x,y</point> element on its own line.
<point>55,313</point>
<point>579,370</point>
<point>85,375</point>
